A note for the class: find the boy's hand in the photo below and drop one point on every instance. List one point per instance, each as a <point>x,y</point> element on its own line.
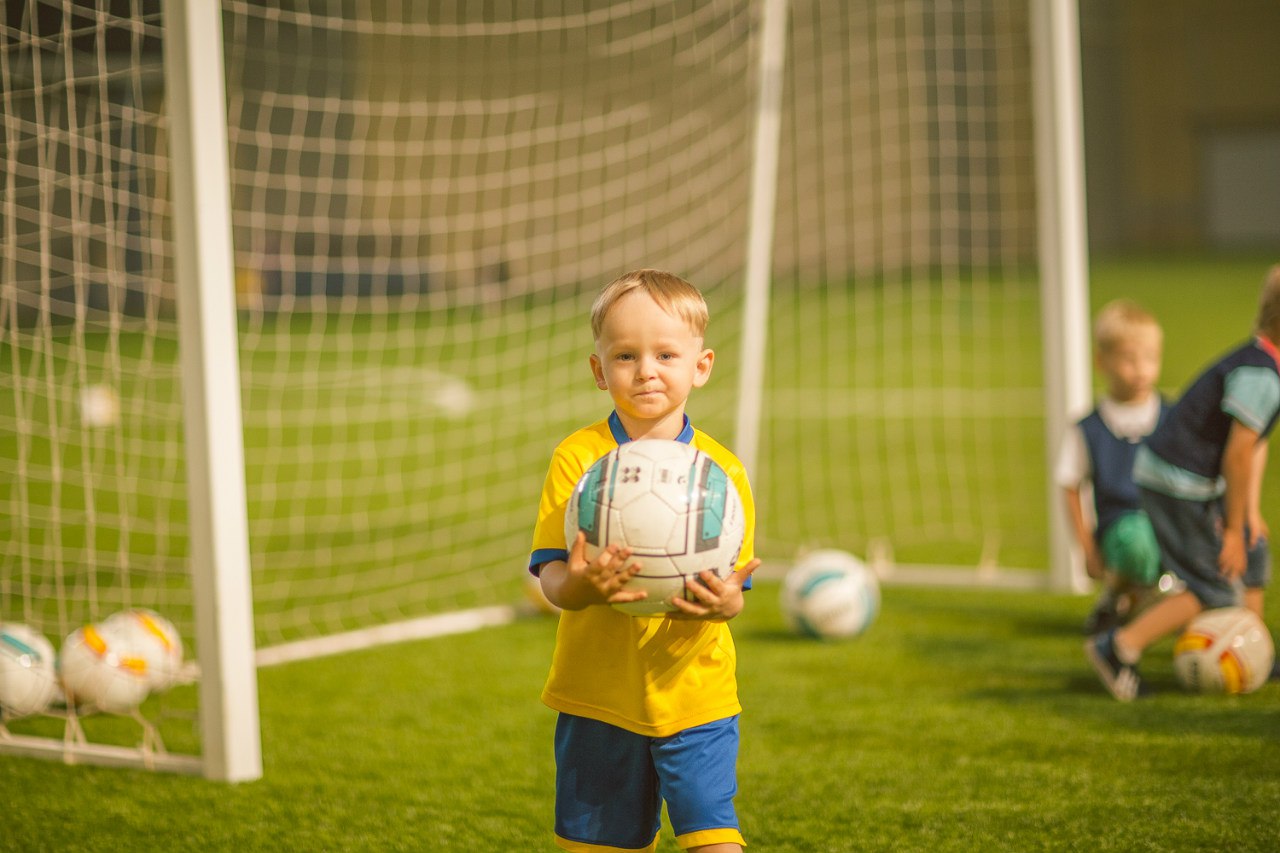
<point>1093,564</point>
<point>1232,557</point>
<point>1257,530</point>
<point>607,574</point>
<point>717,600</point>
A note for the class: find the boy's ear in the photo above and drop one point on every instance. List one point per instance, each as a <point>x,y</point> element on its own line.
<point>597,370</point>
<point>706,360</point>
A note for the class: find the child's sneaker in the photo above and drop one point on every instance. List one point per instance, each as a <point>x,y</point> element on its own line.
<point>1104,615</point>
<point>1120,679</point>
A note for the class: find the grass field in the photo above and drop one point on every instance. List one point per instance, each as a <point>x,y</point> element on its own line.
<point>964,720</point>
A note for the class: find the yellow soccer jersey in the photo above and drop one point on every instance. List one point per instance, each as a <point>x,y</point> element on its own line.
<point>650,675</point>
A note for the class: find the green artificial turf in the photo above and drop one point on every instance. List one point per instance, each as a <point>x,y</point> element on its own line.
<point>963,720</point>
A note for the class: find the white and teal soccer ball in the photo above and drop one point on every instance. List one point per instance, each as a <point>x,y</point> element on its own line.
<point>672,504</point>
<point>98,668</point>
<point>830,594</point>
<point>28,674</point>
<point>1224,650</point>
<point>147,635</point>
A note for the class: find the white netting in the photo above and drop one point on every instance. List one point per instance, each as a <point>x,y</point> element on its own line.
<point>905,381</point>
<point>92,490</point>
<point>425,198</point>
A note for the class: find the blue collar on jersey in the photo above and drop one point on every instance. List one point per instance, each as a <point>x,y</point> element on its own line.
<point>620,434</point>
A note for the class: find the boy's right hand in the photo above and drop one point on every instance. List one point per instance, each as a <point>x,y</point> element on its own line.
<point>607,573</point>
<point>1233,557</point>
<point>1094,566</point>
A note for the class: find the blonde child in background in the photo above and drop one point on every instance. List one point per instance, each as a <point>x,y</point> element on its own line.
<point>1097,454</point>
<point>1200,475</point>
<point>648,706</point>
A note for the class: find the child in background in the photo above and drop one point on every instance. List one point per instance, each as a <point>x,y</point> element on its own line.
<point>1200,475</point>
<point>648,705</point>
<point>1098,452</point>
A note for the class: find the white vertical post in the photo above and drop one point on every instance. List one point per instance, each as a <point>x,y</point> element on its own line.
<point>759,263</point>
<point>1064,253</point>
<point>203,266</point>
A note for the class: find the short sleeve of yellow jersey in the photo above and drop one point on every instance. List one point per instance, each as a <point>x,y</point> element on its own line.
<point>569,462</point>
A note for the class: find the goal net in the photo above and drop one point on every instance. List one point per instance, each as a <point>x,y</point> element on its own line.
<point>425,198</point>
<point>905,394</point>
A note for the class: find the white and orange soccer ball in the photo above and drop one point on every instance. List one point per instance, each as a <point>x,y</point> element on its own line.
<point>28,674</point>
<point>98,668</point>
<point>1224,650</point>
<point>147,635</point>
<point>672,504</point>
<point>831,595</point>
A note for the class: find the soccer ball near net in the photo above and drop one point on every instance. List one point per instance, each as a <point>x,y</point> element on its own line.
<point>831,595</point>
<point>147,635</point>
<point>28,674</point>
<point>98,668</point>
<point>1224,650</point>
<point>672,504</point>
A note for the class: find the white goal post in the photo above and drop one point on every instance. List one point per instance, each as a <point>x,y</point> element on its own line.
<point>1064,255</point>
<point>293,305</point>
<point>205,276</point>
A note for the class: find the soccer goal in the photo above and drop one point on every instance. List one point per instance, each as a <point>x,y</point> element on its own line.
<point>332,381</point>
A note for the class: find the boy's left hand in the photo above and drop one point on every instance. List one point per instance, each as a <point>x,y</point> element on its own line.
<point>717,600</point>
<point>1257,530</point>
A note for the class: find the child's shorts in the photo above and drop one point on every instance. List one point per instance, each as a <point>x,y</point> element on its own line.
<point>1190,537</point>
<point>1129,547</point>
<point>611,783</point>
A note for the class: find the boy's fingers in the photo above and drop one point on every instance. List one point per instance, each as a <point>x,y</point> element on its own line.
<point>706,587</point>
<point>740,576</point>
<point>578,549</point>
<point>684,608</point>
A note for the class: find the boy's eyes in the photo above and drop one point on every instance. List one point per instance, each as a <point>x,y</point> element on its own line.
<point>627,356</point>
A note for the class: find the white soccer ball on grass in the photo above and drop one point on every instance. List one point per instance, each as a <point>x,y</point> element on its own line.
<point>153,638</point>
<point>831,595</point>
<point>28,673</point>
<point>1224,650</point>
<point>99,668</point>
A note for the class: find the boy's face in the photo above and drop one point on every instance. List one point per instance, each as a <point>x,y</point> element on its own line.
<point>1132,365</point>
<point>648,360</point>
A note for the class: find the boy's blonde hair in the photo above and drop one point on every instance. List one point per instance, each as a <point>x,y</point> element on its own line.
<point>1269,305</point>
<point>1117,321</point>
<point>673,294</point>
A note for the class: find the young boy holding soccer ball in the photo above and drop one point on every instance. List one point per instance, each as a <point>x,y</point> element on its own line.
<point>648,706</point>
<point>1200,476</point>
<point>1117,540</point>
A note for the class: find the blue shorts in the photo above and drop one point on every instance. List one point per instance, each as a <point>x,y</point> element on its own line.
<point>1190,537</point>
<point>611,783</point>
